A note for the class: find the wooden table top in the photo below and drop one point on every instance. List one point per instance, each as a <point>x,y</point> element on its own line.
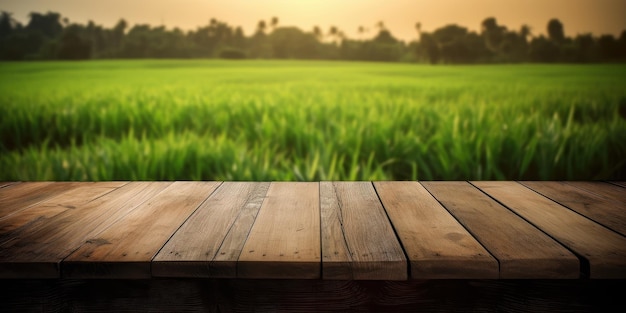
<point>385,230</point>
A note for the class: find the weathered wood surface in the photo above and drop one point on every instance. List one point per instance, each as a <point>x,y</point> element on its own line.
<point>611,214</point>
<point>7,183</point>
<point>214,235</point>
<point>21,196</point>
<point>602,189</point>
<point>357,240</point>
<point>522,250</point>
<point>26,220</point>
<point>50,243</point>
<point>330,230</point>
<point>619,183</point>
<point>126,248</point>
<point>285,239</point>
<point>603,249</point>
<point>436,244</point>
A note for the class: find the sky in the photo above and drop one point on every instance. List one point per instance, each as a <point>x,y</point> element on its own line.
<point>399,16</point>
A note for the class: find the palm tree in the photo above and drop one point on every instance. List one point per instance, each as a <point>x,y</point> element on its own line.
<point>317,32</point>
<point>7,23</point>
<point>333,32</point>
<point>525,31</point>
<point>418,27</point>
<point>380,25</point>
<point>274,23</point>
<point>361,30</point>
<point>261,26</point>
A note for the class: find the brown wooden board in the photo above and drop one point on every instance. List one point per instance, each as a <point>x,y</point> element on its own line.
<point>225,262</point>
<point>8,183</point>
<point>21,196</point>
<point>619,183</point>
<point>522,250</point>
<point>38,253</point>
<point>33,217</point>
<point>220,226</point>
<point>604,249</point>
<point>437,246</point>
<point>358,241</point>
<point>606,190</point>
<point>608,213</point>
<point>285,239</point>
<point>126,248</point>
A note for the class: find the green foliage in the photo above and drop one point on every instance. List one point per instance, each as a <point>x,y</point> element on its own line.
<point>296,120</point>
<point>46,38</point>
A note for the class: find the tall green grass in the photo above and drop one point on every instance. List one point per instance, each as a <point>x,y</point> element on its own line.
<point>296,120</point>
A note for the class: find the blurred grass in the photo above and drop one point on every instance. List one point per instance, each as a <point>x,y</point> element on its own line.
<point>308,120</point>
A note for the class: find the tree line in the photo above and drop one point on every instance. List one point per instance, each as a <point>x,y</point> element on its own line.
<point>49,36</point>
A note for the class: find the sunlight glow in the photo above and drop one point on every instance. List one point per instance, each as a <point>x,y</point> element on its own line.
<point>399,16</point>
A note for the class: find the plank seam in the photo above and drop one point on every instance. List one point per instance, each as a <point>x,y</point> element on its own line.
<point>250,195</point>
<point>614,184</point>
<point>106,193</point>
<point>584,270</point>
<point>181,225</point>
<point>605,198</point>
<point>319,193</point>
<point>70,188</point>
<point>61,263</point>
<point>563,205</point>
<point>343,232</point>
<point>9,184</point>
<point>464,226</point>
<point>395,232</point>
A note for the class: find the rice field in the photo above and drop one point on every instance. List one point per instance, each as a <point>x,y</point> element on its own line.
<point>310,120</point>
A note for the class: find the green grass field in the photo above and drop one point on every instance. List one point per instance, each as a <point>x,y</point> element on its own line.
<point>298,120</point>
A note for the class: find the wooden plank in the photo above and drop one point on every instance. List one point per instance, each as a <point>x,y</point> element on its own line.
<point>619,183</point>
<point>437,246</point>
<point>358,241</point>
<point>220,226</point>
<point>38,253</point>
<point>28,220</point>
<point>23,195</point>
<point>604,249</point>
<point>608,213</point>
<point>125,249</point>
<point>336,256</point>
<point>225,262</point>
<point>606,190</point>
<point>285,239</point>
<point>8,183</point>
<point>522,250</point>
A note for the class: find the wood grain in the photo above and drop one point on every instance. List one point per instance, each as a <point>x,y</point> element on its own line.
<point>608,213</point>
<point>619,183</point>
<point>38,253</point>
<point>8,183</point>
<point>336,256</point>
<point>126,248</point>
<point>285,239</point>
<point>352,213</point>
<point>33,217</point>
<point>606,190</point>
<point>522,250</point>
<point>219,227</point>
<point>604,249</point>
<point>21,196</point>
<point>437,246</point>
